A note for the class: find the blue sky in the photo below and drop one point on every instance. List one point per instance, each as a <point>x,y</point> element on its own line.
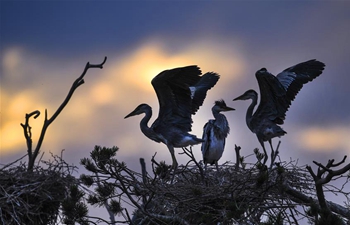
<point>44,46</point>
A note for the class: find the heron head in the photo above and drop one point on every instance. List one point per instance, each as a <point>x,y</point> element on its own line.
<point>221,106</point>
<point>142,108</point>
<point>250,94</point>
<point>262,70</point>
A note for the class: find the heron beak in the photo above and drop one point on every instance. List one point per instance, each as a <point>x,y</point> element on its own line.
<point>241,97</point>
<point>228,109</point>
<point>133,113</point>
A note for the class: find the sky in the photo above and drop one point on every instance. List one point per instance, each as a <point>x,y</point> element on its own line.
<point>44,46</point>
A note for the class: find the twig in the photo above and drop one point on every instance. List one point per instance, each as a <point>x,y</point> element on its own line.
<point>190,154</point>
<point>8,165</point>
<point>144,178</point>
<point>275,154</point>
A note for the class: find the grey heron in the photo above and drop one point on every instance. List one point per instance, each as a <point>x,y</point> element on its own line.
<point>277,93</point>
<point>180,91</point>
<point>215,132</point>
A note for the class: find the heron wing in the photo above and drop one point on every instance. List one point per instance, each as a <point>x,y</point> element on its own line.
<point>174,95</point>
<point>278,92</point>
<point>293,78</point>
<point>272,103</point>
<point>208,127</point>
<point>199,90</point>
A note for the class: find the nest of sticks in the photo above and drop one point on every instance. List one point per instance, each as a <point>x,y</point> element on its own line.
<point>33,197</point>
<point>228,195</point>
<point>191,195</point>
<point>236,193</point>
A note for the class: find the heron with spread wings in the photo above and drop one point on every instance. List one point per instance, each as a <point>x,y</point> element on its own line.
<point>180,91</point>
<point>215,132</point>
<point>277,93</point>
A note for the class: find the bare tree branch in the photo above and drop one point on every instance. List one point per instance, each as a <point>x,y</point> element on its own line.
<point>320,181</point>
<point>32,155</point>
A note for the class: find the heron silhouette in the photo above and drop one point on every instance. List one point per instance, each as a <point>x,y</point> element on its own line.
<point>215,132</point>
<point>277,93</point>
<point>180,91</point>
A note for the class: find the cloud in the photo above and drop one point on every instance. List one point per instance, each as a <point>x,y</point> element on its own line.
<point>325,138</point>
<point>95,114</point>
<point>14,108</point>
<point>11,61</point>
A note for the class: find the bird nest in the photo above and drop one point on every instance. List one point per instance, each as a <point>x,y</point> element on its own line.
<point>33,197</point>
<point>236,193</point>
<point>228,195</point>
<point>190,195</point>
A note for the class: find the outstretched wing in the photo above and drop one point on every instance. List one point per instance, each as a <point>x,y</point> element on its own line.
<point>174,95</point>
<point>278,92</point>
<point>293,78</point>
<point>272,103</point>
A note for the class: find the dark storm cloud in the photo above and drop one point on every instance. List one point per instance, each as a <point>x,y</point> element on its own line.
<point>57,26</point>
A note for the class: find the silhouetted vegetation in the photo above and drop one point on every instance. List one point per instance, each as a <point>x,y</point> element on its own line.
<point>46,192</point>
<point>250,194</point>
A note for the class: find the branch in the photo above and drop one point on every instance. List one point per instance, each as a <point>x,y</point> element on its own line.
<point>320,180</point>
<point>33,154</point>
<point>332,173</point>
<point>28,131</point>
<point>144,177</point>
<point>237,149</point>
<point>300,197</point>
<point>105,202</point>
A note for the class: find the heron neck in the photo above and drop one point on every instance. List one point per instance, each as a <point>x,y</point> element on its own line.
<point>221,121</point>
<point>215,113</point>
<point>146,130</point>
<point>250,110</point>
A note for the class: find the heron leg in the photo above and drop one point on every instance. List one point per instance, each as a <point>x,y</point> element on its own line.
<point>172,152</point>
<point>217,167</point>
<point>263,146</point>
<point>273,156</point>
<point>174,165</point>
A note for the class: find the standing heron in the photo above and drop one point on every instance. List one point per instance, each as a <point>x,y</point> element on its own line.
<point>180,91</point>
<point>277,93</point>
<point>214,134</point>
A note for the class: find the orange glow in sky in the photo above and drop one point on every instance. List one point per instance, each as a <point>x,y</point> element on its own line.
<point>125,81</point>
